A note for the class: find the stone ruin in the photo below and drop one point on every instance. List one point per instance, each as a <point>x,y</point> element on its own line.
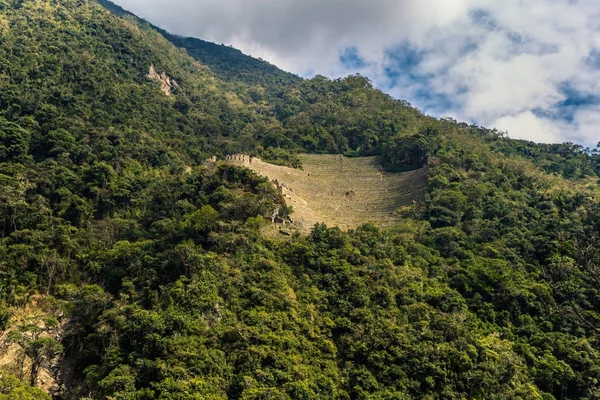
<point>343,192</point>
<point>246,160</point>
<point>210,162</point>
<point>243,159</point>
<point>283,189</point>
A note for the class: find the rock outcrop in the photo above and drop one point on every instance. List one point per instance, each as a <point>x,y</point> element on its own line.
<point>168,85</point>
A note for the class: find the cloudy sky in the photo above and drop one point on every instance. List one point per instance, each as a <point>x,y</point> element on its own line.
<point>530,67</point>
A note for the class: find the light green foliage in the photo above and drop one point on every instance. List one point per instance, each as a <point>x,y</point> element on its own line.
<point>204,219</point>
<point>11,388</point>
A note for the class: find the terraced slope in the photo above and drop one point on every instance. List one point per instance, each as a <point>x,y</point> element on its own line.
<point>341,191</point>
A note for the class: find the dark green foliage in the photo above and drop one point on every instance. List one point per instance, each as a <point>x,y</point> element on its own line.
<point>232,65</point>
<point>566,159</point>
<point>403,153</point>
<point>14,141</point>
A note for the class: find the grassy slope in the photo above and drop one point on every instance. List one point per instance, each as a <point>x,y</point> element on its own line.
<point>343,191</point>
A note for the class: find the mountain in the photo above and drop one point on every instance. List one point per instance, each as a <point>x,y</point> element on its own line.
<point>226,62</point>
<point>132,268</point>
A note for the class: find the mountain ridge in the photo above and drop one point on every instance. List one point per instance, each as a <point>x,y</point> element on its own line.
<point>213,54</point>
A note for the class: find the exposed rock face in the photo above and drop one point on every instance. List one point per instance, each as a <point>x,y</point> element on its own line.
<point>13,357</point>
<point>168,85</point>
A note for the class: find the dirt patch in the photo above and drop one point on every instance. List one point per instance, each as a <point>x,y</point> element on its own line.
<point>341,191</point>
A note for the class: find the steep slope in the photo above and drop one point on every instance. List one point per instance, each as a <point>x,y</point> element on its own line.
<point>81,70</point>
<point>488,288</point>
<point>341,191</point>
<point>317,115</point>
<point>226,62</point>
<point>101,81</point>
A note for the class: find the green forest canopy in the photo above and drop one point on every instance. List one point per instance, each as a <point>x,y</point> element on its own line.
<point>488,289</point>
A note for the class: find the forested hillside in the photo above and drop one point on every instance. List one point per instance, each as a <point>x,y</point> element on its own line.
<point>150,273</point>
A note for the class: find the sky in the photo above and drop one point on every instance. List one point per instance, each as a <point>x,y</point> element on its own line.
<point>527,67</point>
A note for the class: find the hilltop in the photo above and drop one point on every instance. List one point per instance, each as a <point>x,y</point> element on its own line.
<point>156,277</point>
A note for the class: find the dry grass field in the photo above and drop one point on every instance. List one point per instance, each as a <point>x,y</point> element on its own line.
<point>341,191</point>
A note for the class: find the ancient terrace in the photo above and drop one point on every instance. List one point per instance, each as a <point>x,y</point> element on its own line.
<point>340,191</point>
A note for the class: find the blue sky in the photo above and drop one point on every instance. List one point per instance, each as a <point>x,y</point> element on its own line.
<point>531,67</point>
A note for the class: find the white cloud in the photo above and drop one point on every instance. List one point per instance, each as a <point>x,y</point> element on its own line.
<point>586,126</point>
<point>528,126</point>
<point>501,63</point>
<point>303,35</point>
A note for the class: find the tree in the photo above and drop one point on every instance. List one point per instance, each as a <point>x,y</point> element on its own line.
<point>14,141</point>
<point>12,388</point>
<point>35,339</point>
<point>404,153</point>
<point>575,284</point>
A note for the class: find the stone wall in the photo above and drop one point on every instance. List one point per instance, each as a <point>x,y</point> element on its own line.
<point>241,159</point>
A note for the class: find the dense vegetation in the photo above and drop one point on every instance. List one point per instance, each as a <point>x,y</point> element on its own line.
<point>156,269</point>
